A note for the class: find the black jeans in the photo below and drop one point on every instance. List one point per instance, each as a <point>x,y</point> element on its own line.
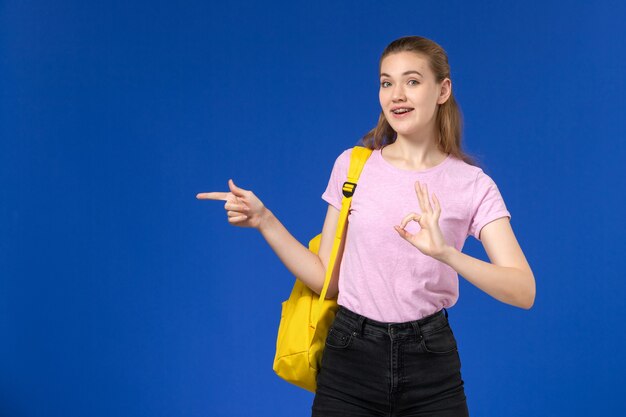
<point>371,368</point>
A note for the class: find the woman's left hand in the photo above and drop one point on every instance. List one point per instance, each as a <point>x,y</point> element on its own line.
<point>429,240</point>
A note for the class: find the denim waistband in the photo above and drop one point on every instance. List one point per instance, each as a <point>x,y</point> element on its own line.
<point>418,327</point>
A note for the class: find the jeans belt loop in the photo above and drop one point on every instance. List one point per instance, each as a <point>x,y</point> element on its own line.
<point>359,325</point>
<point>418,331</point>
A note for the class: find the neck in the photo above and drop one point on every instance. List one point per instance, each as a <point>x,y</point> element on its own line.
<point>414,154</point>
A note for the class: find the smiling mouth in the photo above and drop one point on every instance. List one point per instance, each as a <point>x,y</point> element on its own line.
<point>402,110</point>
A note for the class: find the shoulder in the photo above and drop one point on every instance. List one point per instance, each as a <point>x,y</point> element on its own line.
<point>346,154</point>
<point>464,170</point>
<point>343,159</point>
<point>462,167</point>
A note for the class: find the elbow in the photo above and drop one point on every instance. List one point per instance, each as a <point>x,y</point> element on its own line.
<point>525,303</point>
<point>332,293</point>
<point>531,301</point>
<point>529,296</point>
<point>528,304</point>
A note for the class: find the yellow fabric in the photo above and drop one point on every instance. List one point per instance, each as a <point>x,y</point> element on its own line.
<point>306,317</point>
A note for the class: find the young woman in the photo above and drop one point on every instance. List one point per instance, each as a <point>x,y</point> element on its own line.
<point>391,350</point>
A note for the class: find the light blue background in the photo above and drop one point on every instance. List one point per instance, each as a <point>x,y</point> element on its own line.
<point>123,295</point>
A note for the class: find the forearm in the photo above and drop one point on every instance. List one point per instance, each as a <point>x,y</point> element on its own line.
<point>298,259</point>
<point>509,285</point>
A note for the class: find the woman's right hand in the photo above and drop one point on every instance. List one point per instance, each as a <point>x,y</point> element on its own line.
<point>244,209</point>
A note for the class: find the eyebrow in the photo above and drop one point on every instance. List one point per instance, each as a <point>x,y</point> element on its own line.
<point>404,73</point>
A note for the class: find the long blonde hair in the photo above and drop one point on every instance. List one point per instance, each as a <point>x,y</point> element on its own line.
<point>449,120</point>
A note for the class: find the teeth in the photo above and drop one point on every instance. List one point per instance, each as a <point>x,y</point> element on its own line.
<point>402,110</point>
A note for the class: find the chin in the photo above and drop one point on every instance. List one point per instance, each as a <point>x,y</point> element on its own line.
<point>405,132</point>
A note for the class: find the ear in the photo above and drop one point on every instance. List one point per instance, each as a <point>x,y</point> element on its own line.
<point>446,90</point>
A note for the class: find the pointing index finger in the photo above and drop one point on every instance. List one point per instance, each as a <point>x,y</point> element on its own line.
<point>217,195</point>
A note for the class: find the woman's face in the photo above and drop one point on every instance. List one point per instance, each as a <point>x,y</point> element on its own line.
<point>406,81</point>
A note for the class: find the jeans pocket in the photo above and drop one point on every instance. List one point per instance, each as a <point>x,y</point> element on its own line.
<point>338,338</point>
<point>440,341</point>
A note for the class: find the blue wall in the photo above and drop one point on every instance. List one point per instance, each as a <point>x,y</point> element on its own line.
<point>123,295</point>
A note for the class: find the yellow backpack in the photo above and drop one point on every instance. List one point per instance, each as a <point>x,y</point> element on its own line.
<point>306,317</point>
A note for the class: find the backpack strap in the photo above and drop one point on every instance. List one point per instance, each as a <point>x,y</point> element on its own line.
<point>358,158</point>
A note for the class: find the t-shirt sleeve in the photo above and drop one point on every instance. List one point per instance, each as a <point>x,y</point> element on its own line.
<point>487,204</point>
<point>333,193</point>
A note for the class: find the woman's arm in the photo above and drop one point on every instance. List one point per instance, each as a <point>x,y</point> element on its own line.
<point>308,267</point>
<point>509,277</point>
<point>245,209</point>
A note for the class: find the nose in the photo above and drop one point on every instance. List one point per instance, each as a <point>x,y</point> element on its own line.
<point>397,93</point>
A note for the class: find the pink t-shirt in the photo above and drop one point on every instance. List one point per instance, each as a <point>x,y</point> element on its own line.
<point>384,277</point>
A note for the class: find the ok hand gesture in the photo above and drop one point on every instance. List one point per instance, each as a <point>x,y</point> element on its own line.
<point>243,208</point>
<point>429,240</point>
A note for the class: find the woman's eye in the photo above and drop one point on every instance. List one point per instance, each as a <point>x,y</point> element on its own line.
<point>384,83</point>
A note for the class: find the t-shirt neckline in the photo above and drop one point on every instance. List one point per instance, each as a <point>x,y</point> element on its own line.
<point>430,170</point>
